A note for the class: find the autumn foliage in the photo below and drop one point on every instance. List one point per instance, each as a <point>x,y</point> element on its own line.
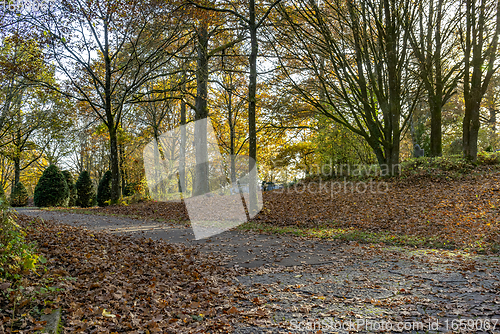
<point>427,208</point>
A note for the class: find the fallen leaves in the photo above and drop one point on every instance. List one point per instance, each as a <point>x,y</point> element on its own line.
<point>110,283</point>
<point>451,213</point>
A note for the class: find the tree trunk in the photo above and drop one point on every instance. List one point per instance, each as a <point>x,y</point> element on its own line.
<point>122,171</point>
<point>182,153</point>
<point>476,84</point>
<point>201,184</point>
<point>17,171</point>
<point>394,91</point>
<point>232,139</point>
<point>115,168</point>
<point>436,99</point>
<point>112,127</point>
<point>493,117</point>
<point>252,91</point>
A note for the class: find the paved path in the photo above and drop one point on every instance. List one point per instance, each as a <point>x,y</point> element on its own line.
<point>329,283</point>
<point>245,249</point>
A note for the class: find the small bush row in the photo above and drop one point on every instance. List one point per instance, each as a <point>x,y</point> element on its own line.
<point>57,188</point>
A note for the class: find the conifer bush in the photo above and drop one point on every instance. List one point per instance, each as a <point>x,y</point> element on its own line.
<point>104,189</point>
<point>51,189</point>
<point>84,190</point>
<point>72,188</point>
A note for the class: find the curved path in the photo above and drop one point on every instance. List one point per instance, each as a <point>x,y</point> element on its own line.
<point>300,281</point>
<point>245,249</point>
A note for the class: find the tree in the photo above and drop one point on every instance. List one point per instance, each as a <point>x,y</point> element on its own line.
<point>85,190</point>
<point>252,23</point>
<point>204,30</point>
<point>228,110</point>
<point>29,111</point>
<point>71,201</point>
<point>19,195</point>
<point>37,119</point>
<point>350,61</point>
<point>435,48</point>
<point>108,51</point>
<point>21,59</point>
<point>479,40</point>
<point>104,189</point>
<point>51,189</point>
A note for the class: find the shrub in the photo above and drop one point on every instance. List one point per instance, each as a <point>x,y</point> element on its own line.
<point>19,195</point>
<point>16,255</point>
<point>72,188</point>
<point>452,163</point>
<point>51,189</point>
<point>104,189</point>
<point>129,189</point>
<point>488,158</point>
<point>85,190</point>
<point>133,188</point>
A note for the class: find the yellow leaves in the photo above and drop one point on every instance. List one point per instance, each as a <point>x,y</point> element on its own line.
<point>30,262</point>
<point>106,314</point>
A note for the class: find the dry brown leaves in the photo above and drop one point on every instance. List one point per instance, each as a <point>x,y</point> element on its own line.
<point>131,285</point>
<point>459,211</point>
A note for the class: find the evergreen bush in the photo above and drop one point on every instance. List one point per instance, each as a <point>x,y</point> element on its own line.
<point>51,189</point>
<point>104,189</point>
<point>72,188</point>
<point>84,190</point>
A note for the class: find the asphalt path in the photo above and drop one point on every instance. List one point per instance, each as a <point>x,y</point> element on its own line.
<point>330,284</point>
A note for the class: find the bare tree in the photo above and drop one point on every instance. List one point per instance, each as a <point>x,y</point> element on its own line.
<point>350,60</point>
<point>435,48</point>
<point>479,41</point>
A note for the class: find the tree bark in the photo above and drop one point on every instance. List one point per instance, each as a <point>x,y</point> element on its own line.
<point>182,153</point>
<point>122,170</point>
<point>201,184</point>
<point>252,91</point>
<point>17,171</point>
<point>436,101</point>
<point>115,168</point>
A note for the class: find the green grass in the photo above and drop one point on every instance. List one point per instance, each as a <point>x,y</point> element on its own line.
<point>329,231</point>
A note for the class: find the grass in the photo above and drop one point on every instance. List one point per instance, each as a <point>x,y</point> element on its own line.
<point>332,232</point>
